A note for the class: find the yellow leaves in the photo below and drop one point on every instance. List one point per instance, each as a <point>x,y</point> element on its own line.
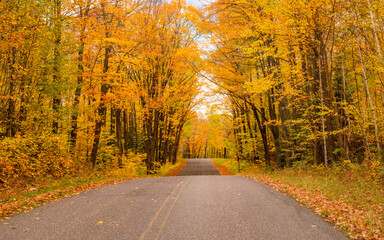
<point>30,158</point>
<point>259,86</point>
<point>99,223</point>
<point>191,14</point>
<point>119,42</point>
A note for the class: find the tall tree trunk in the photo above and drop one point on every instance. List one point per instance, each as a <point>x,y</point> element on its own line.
<point>285,116</point>
<point>370,100</point>
<point>56,102</point>
<point>347,132</point>
<point>264,137</point>
<point>275,129</point>
<point>177,142</point>
<point>102,109</point>
<point>119,138</point>
<point>112,121</point>
<point>151,143</point>
<point>322,117</point>
<point>374,27</point>
<point>237,133</point>
<point>83,14</point>
<point>251,134</point>
<point>125,131</point>
<point>11,109</point>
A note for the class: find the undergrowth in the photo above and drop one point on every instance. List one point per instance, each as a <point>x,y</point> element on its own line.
<point>171,169</point>
<point>35,171</point>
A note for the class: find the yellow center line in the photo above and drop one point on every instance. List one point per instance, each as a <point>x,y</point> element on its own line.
<point>157,213</point>
<point>170,210</point>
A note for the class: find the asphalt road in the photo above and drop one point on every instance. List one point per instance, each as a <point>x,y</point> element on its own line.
<point>183,207</point>
<point>199,167</point>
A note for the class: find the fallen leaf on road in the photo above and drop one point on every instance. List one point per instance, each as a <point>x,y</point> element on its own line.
<point>99,223</point>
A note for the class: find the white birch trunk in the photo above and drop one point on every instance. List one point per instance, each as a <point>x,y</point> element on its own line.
<point>369,98</point>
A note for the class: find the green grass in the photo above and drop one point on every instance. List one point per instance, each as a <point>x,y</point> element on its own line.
<point>360,185</point>
<point>50,185</point>
<point>355,187</point>
<point>19,199</point>
<point>164,170</point>
<point>233,166</point>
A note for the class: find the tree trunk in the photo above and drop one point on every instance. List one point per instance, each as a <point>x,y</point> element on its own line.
<point>370,101</point>
<point>119,138</point>
<point>10,116</point>
<point>264,137</point>
<point>275,130</point>
<point>322,117</point>
<point>125,131</point>
<point>347,133</point>
<point>56,102</point>
<point>80,72</point>
<point>102,109</point>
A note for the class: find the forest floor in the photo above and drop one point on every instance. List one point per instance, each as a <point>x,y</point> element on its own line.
<point>23,197</point>
<point>351,197</point>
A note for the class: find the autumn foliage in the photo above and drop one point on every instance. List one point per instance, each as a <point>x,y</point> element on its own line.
<point>111,86</point>
<point>304,79</point>
<point>91,84</point>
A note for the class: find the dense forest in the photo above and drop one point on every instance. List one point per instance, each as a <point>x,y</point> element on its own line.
<point>104,84</point>
<point>94,83</point>
<point>303,80</point>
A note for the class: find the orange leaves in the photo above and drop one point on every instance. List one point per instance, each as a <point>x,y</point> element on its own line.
<point>28,160</point>
<point>357,221</point>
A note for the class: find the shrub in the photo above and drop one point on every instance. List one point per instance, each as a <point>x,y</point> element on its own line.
<point>26,160</point>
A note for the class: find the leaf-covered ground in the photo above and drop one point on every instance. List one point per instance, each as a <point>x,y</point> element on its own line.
<point>21,201</point>
<point>357,222</point>
<point>22,198</point>
<point>348,196</point>
<point>222,170</point>
<point>174,171</point>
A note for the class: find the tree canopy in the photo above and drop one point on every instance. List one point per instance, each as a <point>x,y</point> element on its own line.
<point>98,83</point>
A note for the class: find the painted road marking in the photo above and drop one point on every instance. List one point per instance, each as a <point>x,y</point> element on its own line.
<point>170,210</point>
<point>158,212</point>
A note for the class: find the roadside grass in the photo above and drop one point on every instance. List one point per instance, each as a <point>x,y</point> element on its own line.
<point>175,170</point>
<point>21,197</point>
<point>357,186</point>
<point>171,169</point>
<point>349,195</point>
<point>233,166</point>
